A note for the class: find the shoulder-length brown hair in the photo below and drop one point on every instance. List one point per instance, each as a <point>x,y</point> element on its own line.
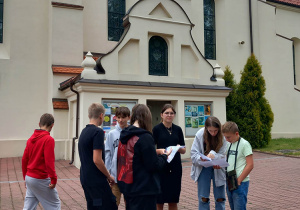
<point>165,107</point>
<point>213,142</point>
<point>142,114</point>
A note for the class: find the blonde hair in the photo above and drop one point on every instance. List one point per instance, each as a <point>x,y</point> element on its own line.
<point>95,110</point>
<point>230,127</point>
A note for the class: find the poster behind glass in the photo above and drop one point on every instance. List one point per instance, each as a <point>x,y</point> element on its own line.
<point>195,116</point>
<point>110,120</point>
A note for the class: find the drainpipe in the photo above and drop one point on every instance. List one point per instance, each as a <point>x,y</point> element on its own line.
<point>250,19</point>
<point>77,122</point>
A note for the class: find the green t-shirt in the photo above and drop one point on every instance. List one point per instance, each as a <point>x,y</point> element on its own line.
<point>244,150</point>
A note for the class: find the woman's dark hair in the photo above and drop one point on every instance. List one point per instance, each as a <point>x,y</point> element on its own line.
<point>167,106</point>
<point>142,114</point>
<point>212,142</point>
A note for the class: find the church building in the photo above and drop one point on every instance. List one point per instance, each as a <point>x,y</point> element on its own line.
<point>61,56</point>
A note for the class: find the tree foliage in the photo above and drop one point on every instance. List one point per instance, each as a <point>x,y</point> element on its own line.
<point>247,105</point>
<point>231,98</point>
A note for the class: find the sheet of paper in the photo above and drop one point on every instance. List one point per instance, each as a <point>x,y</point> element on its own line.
<point>174,150</point>
<point>221,162</point>
<point>205,157</point>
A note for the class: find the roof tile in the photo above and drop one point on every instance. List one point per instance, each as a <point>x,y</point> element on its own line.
<point>60,104</point>
<point>67,69</point>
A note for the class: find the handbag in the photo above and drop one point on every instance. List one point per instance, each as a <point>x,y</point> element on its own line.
<point>231,177</point>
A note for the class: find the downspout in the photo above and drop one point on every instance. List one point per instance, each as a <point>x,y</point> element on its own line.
<point>250,19</point>
<point>77,121</point>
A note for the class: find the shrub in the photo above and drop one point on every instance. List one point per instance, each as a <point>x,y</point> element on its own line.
<point>248,107</point>
<point>231,98</point>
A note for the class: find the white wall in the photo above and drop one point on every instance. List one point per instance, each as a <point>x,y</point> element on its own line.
<point>67,36</point>
<point>24,72</point>
<point>276,59</point>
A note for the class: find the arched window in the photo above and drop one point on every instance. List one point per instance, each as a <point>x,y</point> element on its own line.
<point>209,29</point>
<point>158,56</point>
<point>116,12</point>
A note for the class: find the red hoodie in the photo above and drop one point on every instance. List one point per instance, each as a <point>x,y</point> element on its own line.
<point>38,158</point>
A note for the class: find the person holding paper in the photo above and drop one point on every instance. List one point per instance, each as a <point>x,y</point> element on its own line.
<point>168,134</point>
<point>139,162</point>
<point>210,142</point>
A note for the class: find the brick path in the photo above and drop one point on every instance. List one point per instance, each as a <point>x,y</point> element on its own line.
<point>275,184</point>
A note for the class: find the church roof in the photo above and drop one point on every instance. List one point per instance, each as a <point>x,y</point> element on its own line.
<point>292,3</point>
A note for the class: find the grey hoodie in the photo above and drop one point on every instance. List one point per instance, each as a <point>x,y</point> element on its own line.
<point>197,147</point>
<point>111,151</point>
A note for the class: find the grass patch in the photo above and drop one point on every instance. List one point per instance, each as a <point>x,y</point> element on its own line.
<point>283,146</point>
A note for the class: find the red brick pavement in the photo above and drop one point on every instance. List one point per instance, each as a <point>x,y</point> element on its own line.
<point>275,184</point>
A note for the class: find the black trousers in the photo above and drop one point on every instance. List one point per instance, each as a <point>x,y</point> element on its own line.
<point>99,197</point>
<point>144,202</point>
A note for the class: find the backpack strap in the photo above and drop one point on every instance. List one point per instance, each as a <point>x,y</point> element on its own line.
<point>236,151</point>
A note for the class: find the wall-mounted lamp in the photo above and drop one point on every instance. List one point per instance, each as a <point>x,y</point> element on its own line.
<point>241,42</point>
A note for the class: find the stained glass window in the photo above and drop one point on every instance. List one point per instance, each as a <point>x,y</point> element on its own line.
<point>209,29</point>
<point>1,21</point>
<point>116,12</point>
<point>158,56</point>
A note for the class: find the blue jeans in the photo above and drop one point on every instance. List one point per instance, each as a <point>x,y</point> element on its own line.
<point>238,198</point>
<point>204,181</point>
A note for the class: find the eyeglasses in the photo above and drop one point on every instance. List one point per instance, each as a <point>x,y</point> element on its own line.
<point>169,113</point>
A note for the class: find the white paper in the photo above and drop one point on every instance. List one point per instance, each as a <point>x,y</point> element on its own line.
<point>174,150</point>
<point>204,157</point>
<point>220,162</point>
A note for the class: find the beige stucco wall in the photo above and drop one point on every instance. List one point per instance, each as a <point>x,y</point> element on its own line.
<point>67,36</point>
<point>95,25</point>
<point>23,73</point>
<point>276,58</point>
<point>26,78</point>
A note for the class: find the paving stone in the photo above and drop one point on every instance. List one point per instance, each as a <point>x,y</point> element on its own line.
<point>274,184</point>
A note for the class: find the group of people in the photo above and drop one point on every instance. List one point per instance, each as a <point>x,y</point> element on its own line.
<point>133,161</point>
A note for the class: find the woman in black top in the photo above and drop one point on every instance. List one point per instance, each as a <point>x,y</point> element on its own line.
<point>168,134</point>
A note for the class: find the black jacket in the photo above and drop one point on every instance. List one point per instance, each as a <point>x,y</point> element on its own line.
<point>138,163</point>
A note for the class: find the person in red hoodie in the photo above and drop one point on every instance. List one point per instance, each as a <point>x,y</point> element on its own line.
<point>39,169</point>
